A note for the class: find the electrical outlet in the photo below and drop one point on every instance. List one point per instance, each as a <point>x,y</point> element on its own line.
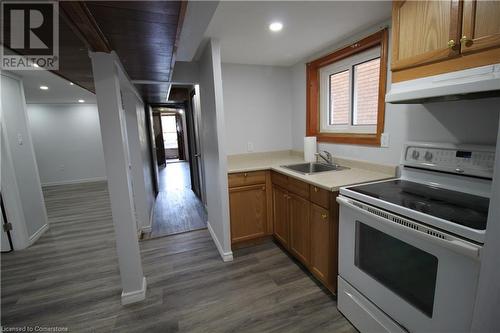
<point>384,140</point>
<point>61,167</point>
<point>20,140</point>
<point>250,146</point>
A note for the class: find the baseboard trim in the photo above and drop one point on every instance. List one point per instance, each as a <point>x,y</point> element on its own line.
<point>135,296</point>
<point>33,238</point>
<point>75,181</point>
<point>226,256</point>
<point>149,228</point>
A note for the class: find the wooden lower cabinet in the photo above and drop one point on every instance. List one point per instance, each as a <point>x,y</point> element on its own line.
<point>301,217</point>
<point>280,213</point>
<point>307,227</point>
<point>300,243</point>
<point>250,206</point>
<point>321,244</point>
<point>248,212</point>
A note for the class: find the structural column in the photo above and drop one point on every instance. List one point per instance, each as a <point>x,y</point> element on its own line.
<point>142,206</point>
<point>117,160</point>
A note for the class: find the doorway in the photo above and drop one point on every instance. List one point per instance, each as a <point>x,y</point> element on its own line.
<point>180,201</point>
<point>173,129</point>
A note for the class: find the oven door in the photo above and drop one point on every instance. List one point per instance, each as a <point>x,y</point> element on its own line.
<point>422,278</point>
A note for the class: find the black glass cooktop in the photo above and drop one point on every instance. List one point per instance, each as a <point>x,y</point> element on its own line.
<point>462,208</point>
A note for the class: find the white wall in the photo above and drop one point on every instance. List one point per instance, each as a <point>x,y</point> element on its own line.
<point>257,107</point>
<point>186,72</point>
<point>23,174</point>
<point>11,198</point>
<point>213,148</point>
<point>142,184</point>
<point>485,317</point>
<point>473,121</point>
<point>67,140</point>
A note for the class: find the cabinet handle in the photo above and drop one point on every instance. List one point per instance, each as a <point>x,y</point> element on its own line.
<point>263,188</point>
<point>315,189</point>
<point>466,41</point>
<point>245,174</point>
<point>451,43</point>
<point>324,216</point>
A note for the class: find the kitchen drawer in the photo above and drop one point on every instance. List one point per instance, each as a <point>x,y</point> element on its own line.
<point>298,187</point>
<point>280,180</point>
<point>246,178</point>
<point>320,196</point>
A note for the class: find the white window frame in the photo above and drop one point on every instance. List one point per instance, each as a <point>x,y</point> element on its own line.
<point>335,68</point>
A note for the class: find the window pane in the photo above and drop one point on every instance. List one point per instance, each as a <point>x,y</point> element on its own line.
<point>366,77</point>
<point>339,98</point>
<point>169,127</point>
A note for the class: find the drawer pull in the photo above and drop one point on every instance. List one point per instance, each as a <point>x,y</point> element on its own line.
<point>324,216</point>
<point>465,41</point>
<point>245,174</point>
<point>315,189</point>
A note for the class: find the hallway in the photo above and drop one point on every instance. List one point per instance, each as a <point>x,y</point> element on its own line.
<point>177,208</point>
<point>70,279</point>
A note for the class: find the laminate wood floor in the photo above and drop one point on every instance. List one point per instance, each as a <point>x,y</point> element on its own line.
<point>70,278</point>
<point>177,209</point>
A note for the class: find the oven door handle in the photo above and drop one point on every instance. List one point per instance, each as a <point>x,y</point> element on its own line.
<point>457,245</point>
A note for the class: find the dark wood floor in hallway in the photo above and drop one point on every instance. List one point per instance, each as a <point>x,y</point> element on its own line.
<point>70,278</point>
<point>177,208</point>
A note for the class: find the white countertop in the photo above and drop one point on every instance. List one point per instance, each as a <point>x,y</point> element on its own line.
<point>358,172</point>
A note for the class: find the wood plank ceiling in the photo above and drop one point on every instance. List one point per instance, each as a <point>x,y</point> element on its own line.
<point>143,34</point>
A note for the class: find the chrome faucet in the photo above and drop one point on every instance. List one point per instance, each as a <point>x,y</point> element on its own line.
<point>327,157</point>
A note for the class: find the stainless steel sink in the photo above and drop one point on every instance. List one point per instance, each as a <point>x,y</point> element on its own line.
<point>312,168</point>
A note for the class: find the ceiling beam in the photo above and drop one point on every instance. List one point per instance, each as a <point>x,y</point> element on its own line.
<point>83,24</point>
<point>180,21</point>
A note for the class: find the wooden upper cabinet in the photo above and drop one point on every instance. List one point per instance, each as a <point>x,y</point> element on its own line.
<point>425,32</point>
<point>481,25</point>
<point>248,210</point>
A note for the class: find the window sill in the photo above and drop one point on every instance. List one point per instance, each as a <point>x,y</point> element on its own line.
<point>349,138</point>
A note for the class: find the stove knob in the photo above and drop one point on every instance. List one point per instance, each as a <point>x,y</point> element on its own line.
<point>428,156</point>
<point>415,154</point>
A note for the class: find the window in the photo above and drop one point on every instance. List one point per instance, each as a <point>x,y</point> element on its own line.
<point>169,127</point>
<point>346,90</point>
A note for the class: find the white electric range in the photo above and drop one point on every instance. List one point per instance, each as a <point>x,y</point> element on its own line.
<point>409,248</point>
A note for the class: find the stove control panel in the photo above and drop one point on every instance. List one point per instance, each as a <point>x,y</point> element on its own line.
<point>468,160</point>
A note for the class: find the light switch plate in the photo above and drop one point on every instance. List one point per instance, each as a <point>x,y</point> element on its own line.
<point>250,147</point>
<point>384,140</point>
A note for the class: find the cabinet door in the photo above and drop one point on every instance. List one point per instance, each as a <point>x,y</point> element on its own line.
<point>481,25</point>
<point>321,256</point>
<point>299,215</point>
<point>248,212</point>
<point>424,32</point>
<point>280,215</point>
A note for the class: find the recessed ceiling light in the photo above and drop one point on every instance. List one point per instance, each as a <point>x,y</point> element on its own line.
<point>44,87</point>
<point>276,26</point>
<point>81,101</point>
<point>71,84</point>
